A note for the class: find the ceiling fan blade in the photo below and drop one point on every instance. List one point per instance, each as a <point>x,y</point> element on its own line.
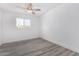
<point>33,13</point>
<point>20,7</point>
<point>36,9</point>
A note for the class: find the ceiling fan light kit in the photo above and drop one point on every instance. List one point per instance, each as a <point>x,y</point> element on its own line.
<point>31,10</point>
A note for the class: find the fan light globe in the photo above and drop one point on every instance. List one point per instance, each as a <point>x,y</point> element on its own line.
<point>29,11</point>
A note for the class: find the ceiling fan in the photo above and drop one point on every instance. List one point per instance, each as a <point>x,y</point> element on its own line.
<point>29,8</point>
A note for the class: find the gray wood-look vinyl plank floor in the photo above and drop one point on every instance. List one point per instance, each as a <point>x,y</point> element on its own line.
<point>34,47</point>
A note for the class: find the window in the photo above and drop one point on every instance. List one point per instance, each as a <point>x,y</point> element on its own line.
<point>22,23</point>
<point>27,22</point>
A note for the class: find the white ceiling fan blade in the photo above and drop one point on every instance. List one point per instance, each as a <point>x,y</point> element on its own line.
<point>36,9</point>
<point>33,12</point>
<point>20,7</point>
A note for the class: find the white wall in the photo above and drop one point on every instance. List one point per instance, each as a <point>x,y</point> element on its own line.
<point>10,31</point>
<point>61,26</point>
<point>1,28</point>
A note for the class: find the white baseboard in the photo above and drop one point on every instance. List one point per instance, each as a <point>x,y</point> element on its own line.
<point>19,40</point>
<point>63,45</point>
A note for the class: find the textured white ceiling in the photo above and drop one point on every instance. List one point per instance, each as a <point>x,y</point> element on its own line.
<point>45,7</point>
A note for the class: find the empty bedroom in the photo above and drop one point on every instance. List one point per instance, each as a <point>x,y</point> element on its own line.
<point>39,29</point>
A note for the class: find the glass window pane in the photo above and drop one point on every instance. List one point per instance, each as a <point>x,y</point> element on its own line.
<point>19,22</point>
<point>27,22</point>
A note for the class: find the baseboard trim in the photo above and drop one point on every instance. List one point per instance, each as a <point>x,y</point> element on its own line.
<point>19,41</point>
<point>65,46</point>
